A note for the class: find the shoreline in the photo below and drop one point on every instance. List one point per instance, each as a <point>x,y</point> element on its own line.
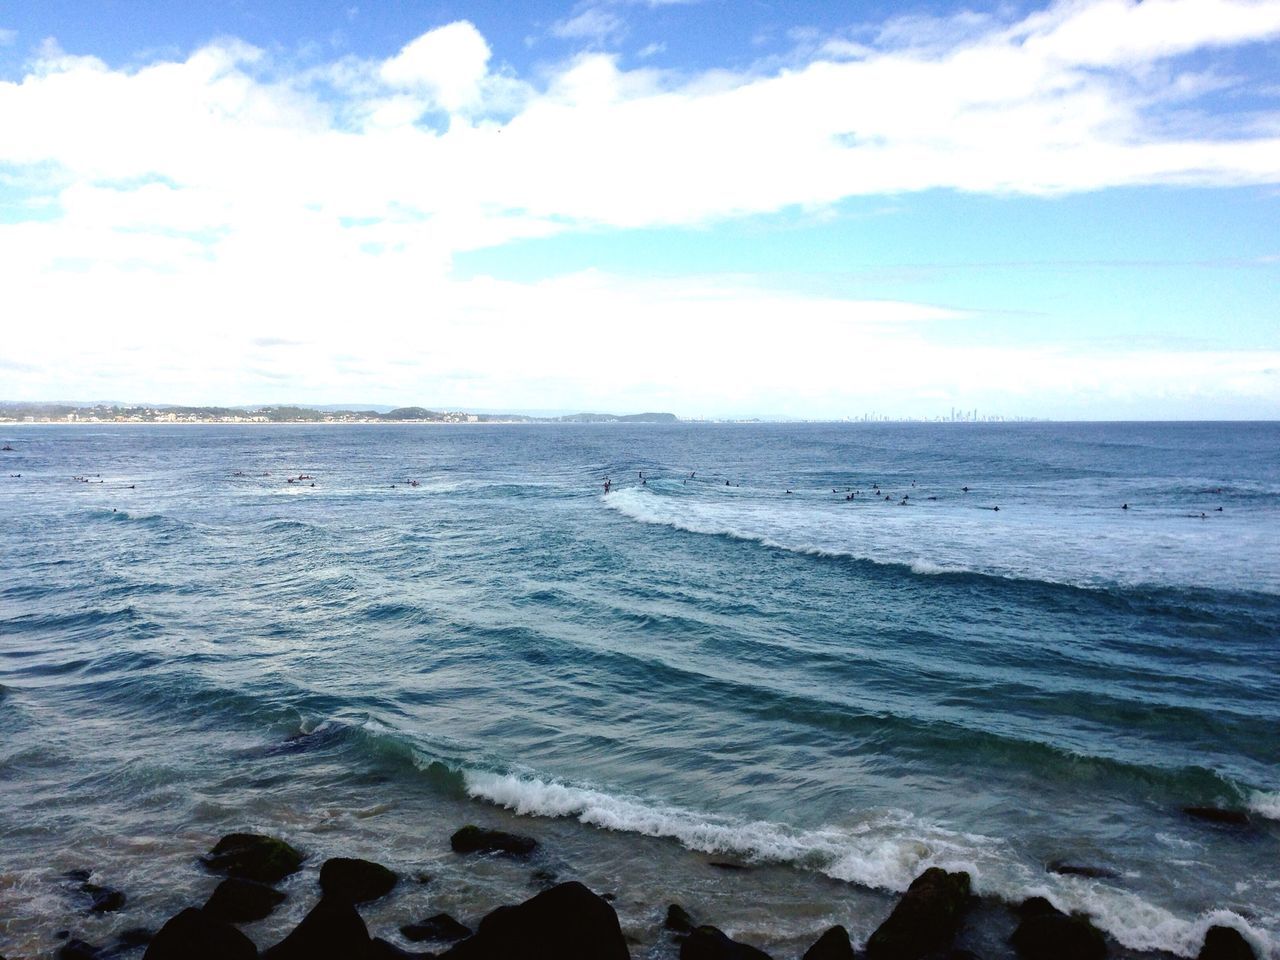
<point>257,895</point>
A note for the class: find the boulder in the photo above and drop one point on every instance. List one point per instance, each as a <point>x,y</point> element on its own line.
<point>567,922</point>
<point>1047,933</point>
<point>1081,870</point>
<point>1225,943</point>
<point>473,839</point>
<point>103,899</point>
<point>832,945</point>
<point>708,943</point>
<point>380,949</point>
<point>678,919</point>
<point>79,950</point>
<point>242,901</point>
<point>925,920</point>
<point>252,856</point>
<point>331,929</point>
<point>132,938</point>
<point>440,927</point>
<point>192,935</point>
<point>1222,815</point>
<point>356,881</point>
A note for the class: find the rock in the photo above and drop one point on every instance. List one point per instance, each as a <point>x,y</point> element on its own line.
<point>544,878</point>
<point>1035,907</point>
<point>79,950</point>
<point>440,927</point>
<point>103,899</point>
<point>192,935</point>
<point>678,919</point>
<point>925,920</point>
<point>1081,870</point>
<point>708,943</point>
<point>242,901</point>
<point>567,922</point>
<point>132,938</point>
<point>832,945</point>
<point>1231,818</point>
<point>1225,943</point>
<point>473,839</point>
<point>78,875</point>
<point>727,865</point>
<point>1049,934</point>
<point>331,929</point>
<point>356,881</point>
<point>251,856</point>
<point>380,949</point>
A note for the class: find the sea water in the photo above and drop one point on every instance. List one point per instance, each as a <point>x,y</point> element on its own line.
<point>806,650</point>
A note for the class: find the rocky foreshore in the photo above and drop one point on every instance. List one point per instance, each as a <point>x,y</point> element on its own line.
<point>566,921</point>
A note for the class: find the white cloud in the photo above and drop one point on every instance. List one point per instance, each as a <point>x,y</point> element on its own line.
<point>593,23</point>
<point>449,63</point>
<point>222,192</point>
<point>7,37</point>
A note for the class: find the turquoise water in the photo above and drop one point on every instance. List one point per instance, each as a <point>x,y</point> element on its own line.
<point>847,689</point>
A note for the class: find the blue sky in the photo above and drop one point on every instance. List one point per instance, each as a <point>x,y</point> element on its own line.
<point>794,209</point>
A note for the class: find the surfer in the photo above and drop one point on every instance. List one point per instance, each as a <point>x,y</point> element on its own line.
<point>1125,507</point>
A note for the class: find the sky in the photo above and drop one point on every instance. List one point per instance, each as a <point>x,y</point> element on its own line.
<point>792,209</point>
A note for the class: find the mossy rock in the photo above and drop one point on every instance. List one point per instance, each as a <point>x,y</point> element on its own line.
<point>252,856</point>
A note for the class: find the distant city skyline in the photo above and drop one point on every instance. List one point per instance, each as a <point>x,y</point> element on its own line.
<point>801,211</point>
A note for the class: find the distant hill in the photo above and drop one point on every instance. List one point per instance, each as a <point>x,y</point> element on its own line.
<point>615,418</point>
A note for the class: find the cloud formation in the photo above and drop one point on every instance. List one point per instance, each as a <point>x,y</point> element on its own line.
<point>230,191</point>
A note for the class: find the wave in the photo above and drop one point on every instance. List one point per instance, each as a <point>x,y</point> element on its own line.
<point>953,542</point>
<point>887,850</point>
<point>1265,804</point>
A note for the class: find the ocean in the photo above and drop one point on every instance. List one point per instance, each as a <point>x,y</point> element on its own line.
<point>742,680</point>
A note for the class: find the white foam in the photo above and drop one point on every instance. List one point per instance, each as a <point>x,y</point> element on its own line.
<point>886,851</point>
<point>1024,542</point>
<point>1266,804</point>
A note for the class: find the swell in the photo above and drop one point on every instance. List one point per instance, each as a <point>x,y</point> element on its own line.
<point>1151,596</point>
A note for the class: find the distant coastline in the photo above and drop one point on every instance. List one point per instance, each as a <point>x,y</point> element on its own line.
<point>167,414</point>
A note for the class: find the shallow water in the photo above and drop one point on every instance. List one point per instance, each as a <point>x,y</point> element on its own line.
<point>839,692</point>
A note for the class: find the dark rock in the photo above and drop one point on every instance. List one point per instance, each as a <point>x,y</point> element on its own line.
<point>62,934</point>
<point>242,901</point>
<point>331,929</point>
<point>925,920</point>
<point>473,839</point>
<point>192,935</point>
<point>832,945</point>
<point>78,875</point>
<point>1035,907</point>
<point>1052,935</point>
<point>251,856</point>
<point>356,881</point>
<point>1225,943</point>
<point>708,943</point>
<point>421,877</point>
<point>132,938</point>
<point>440,927</point>
<point>567,922</point>
<point>1231,818</point>
<point>726,865</point>
<point>79,950</point>
<point>380,949</point>
<point>103,899</point>
<point>1081,870</point>
<point>678,919</point>
<point>544,878</point>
